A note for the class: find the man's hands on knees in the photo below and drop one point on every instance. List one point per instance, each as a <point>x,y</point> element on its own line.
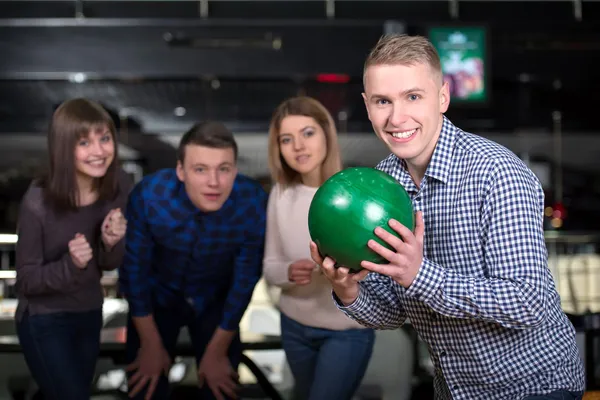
<point>215,370</point>
<point>344,284</point>
<point>152,361</point>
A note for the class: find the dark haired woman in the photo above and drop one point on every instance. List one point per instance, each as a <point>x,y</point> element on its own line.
<point>70,229</point>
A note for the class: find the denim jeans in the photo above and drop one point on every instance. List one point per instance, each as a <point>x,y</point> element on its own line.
<point>169,322</point>
<point>326,364</point>
<point>558,395</point>
<point>61,351</point>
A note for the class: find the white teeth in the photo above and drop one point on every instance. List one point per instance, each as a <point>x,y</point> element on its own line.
<point>404,135</point>
<point>96,162</point>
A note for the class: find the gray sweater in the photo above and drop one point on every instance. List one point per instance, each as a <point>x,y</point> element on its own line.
<point>47,279</point>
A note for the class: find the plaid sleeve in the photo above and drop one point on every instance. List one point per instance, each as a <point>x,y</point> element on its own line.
<point>133,275</point>
<point>513,294</point>
<point>378,305</point>
<point>248,264</point>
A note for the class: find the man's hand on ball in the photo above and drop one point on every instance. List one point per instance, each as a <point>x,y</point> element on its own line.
<point>407,255</point>
<point>344,284</point>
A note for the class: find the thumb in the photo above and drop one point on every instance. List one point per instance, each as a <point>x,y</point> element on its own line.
<point>110,214</point>
<point>79,235</point>
<point>315,254</point>
<point>419,227</point>
<point>359,276</point>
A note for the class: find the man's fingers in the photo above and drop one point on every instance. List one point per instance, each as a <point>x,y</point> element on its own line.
<point>167,368</point>
<point>328,264</point>
<point>215,391</point>
<point>405,233</point>
<point>382,251</point>
<point>392,240</point>
<point>229,387</point>
<point>134,365</point>
<point>387,269</point>
<point>314,253</point>
<point>359,276</point>
<point>151,388</point>
<point>235,375</point>
<point>138,386</point>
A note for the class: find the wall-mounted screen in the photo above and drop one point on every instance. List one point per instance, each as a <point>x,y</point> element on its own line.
<point>464,58</point>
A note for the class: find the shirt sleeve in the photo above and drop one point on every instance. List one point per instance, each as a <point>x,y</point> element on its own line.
<point>139,247</point>
<point>109,260</point>
<point>514,292</point>
<point>36,276</point>
<point>248,265</point>
<point>378,304</point>
<point>275,264</point>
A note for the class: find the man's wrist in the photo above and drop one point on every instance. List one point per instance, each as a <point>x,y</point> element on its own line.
<point>147,331</point>
<point>220,342</point>
<point>346,298</point>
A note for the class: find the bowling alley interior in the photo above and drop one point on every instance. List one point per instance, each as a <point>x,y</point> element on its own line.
<point>521,74</point>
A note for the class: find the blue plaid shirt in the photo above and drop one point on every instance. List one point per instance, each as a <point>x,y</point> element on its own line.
<point>484,300</point>
<point>175,252</point>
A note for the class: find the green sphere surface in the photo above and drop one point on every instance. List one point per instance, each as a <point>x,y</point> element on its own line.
<point>347,208</point>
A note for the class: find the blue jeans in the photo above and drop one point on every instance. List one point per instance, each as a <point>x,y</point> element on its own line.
<point>558,395</point>
<point>61,351</point>
<point>326,364</point>
<point>169,322</point>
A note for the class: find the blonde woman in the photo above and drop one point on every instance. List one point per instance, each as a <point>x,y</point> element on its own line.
<point>328,353</point>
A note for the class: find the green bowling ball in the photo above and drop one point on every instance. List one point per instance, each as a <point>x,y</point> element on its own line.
<point>348,207</point>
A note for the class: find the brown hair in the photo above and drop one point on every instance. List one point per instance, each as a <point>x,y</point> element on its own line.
<point>210,134</point>
<point>401,49</point>
<point>309,107</point>
<point>72,121</point>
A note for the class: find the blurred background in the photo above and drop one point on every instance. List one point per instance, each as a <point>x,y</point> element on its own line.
<point>522,73</point>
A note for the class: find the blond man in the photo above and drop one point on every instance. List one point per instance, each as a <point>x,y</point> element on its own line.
<point>473,277</point>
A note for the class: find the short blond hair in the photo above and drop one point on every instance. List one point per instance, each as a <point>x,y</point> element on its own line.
<point>302,106</point>
<point>402,49</point>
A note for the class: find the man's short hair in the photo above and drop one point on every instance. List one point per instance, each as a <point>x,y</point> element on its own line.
<point>402,49</point>
<point>211,134</point>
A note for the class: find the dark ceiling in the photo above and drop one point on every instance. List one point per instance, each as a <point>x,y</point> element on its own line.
<point>159,66</point>
<point>169,63</point>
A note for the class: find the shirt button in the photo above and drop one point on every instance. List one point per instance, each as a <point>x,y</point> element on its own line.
<point>455,387</point>
<point>434,317</point>
<point>418,198</point>
<point>190,301</point>
<point>443,354</point>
